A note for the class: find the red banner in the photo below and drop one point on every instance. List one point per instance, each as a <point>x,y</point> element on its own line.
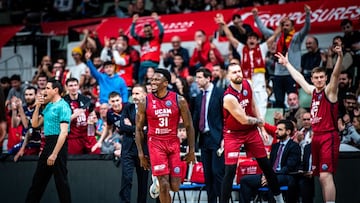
<point>325,18</point>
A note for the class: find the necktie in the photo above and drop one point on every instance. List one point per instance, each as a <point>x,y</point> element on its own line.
<point>202,113</point>
<point>277,160</point>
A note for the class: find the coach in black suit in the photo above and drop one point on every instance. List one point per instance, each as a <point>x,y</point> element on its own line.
<point>129,153</point>
<point>285,157</point>
<point>208,124</point>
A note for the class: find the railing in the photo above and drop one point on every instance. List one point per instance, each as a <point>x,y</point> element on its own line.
<point>18,58</point>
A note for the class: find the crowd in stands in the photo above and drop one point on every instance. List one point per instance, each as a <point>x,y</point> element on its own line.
<point>57,10</point>
<point>100,83</point>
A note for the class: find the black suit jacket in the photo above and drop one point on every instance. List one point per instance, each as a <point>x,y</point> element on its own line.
<point>214,118</point>
<point>305,164</point>
<point>291,157</point>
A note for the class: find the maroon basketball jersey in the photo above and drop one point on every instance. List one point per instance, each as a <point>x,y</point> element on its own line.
<point>78,126</point>
<point>323,113</point>
<point>244,98</point>
<point>162,115</point>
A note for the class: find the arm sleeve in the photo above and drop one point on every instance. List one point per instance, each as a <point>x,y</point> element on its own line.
<point>305,29</point>
<point>93,71</point>
<point>133,33</point>
<point>264,30</point>
<point>161,29</point>
<point>118,59</point>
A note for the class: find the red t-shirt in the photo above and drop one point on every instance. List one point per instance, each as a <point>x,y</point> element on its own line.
<point>163,115</point>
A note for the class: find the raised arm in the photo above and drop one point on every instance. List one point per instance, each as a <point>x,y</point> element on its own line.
<point>219,19</point>
<point>296,75</point>
<point>93,71</point>
<point>155,16</point>
<point>331,89</point>
<point>305,29</point>
<point>132,28</point>
<point>264,30</point>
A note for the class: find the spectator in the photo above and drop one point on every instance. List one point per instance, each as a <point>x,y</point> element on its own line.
<point>106,53</point>
<point>44,67</point>
<point>252,62</point>
<point>200,55</point>
<point>352,43</point>
<point>345,85</point>
<point>62,9</point>
<point>129,152</point>
<point>212,5</point>
<point>17,89</point>
<point>41,82</point>
<point>89,8</point>
<point>183,88</point>
<point>110,135</point>
<point>21,115</point>
<point>122,53</point>
<point>213,59</point>
<point>181,134</point>
<point>285,158</point>
<point>332,56</point>
<point>208,124</point>
<point>88,41</point>
<point>78,70</point>
<point>149,74</point>
<point>305,133</point>
<point>239,30</point>
<point>295,111</point>
<point>219,78</point>
<point>140,8</point>
<point>89,87</point>
<point>101,122</point>
<point>108,81</point>
<point>149,44</point>
<point>351,37</point>
<point>177,49</point>
<point>119,11</point>
<point>350,106</point>
<point>350,138</point>
<point>5,85</point>
<point>312,58</point>
<point>80,141</point>
<point>290,43</point>
<point>179,68</point>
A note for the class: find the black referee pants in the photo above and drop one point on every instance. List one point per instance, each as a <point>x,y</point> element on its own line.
<point>44,172</point>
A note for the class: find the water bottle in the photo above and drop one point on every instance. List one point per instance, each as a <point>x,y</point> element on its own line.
<point>91,129</point>
<point>91,126</point>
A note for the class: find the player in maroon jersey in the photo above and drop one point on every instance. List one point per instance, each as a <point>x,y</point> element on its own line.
<point>324,109</point>
<point>79,142</point>
<point>241,123</point>
<point>162,111</point>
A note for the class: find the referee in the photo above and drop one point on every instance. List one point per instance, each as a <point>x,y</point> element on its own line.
<point>56,118</point>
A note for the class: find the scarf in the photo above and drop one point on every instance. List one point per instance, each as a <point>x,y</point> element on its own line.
<point>284,42</point>
<point>251,59</point>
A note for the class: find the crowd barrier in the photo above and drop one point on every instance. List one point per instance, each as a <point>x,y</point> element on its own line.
<point>95,178</point>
